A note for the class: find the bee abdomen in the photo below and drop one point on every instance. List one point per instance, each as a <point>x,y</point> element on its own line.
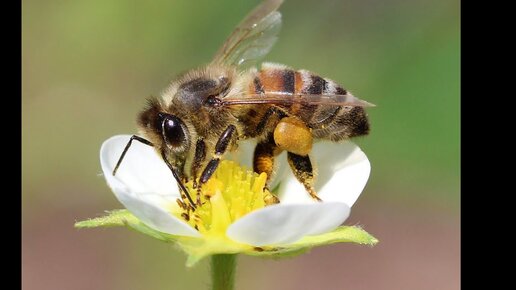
<point>326,121</point>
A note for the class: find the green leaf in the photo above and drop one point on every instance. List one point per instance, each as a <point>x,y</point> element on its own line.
<point>123,217</point>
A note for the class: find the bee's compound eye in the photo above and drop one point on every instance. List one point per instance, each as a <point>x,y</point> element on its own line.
<point>173,131</point>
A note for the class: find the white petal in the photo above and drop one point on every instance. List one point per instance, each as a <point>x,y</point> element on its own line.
<point>287,223</point>
<point>152,212</point>
<point>143,184</point>
<point>142,170</point>
<point>342,173</point>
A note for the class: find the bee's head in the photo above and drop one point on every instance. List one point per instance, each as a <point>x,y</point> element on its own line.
<point>165,129</point>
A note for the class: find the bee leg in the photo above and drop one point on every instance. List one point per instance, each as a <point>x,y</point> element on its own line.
<point>200,155</point>
<point>269,118</point>
<point>263,161</point>
<point>292,135</point>
<point>220,148</point>
<point>303,171</point>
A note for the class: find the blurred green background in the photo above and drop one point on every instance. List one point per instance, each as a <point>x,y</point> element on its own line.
<point>88,66</point>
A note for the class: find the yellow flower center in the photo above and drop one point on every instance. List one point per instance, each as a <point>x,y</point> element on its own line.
<point>229,194</point>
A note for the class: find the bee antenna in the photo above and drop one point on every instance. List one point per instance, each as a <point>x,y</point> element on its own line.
<point>174,173</point>
<point>134,137</point>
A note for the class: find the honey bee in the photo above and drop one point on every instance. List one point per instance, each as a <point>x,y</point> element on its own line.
<point>205,112</point>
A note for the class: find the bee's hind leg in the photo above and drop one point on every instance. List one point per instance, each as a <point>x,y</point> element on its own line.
<point>292,135</point>
<point>304,172</point>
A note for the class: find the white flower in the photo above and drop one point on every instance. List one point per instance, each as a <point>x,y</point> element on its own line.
<point>146,187</point>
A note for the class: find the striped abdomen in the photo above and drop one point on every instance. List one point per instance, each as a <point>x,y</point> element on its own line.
<point>326,121</point>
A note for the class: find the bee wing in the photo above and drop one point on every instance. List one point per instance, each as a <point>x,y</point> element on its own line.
<point>253,37</point>
<point>278,98</point>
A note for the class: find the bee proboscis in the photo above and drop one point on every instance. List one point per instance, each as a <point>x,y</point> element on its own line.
<point>205,112</point>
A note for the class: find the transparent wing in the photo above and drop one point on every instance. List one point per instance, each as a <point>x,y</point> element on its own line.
<point>253,37</point>
<point>287,99</point>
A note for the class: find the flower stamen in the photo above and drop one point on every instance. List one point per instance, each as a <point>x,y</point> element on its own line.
<point>229,194</point>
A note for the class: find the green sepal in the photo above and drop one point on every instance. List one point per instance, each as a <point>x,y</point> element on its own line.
<point>199,248</point>
<point>342,234</point>
<point>114,218</point>
<point>122,217</point>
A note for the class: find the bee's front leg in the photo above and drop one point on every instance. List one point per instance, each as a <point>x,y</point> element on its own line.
<point>200,155</point>
<point>220,148</point>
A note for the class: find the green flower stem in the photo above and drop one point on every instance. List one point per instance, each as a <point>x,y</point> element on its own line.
<point>223,268</point>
